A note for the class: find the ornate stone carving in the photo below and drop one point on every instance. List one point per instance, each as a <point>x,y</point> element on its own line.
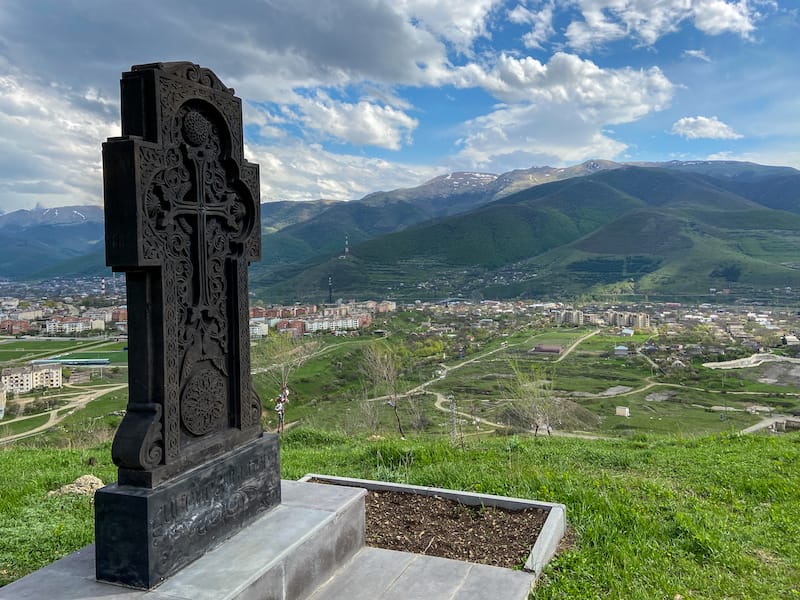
<point>182,220</point>
<point>182,217</point>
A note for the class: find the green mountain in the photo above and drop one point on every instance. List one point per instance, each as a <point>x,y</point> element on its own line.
<point>677,227</point>
<point>627,229</point>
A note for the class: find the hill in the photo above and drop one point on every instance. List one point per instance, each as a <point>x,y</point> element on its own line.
<point>645,229</point>
<point>33,239</point>
<point>709,517</point>
<point>656,228</point>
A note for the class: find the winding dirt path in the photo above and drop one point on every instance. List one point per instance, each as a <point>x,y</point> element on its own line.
<point>75,403</point>
<point>577,343</point>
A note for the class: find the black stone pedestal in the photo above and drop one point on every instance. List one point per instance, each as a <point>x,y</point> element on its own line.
<point>144,535</point>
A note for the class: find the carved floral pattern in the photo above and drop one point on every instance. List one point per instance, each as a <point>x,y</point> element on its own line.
<point>196,220</point>
<point>197,212</point>
<point>203,406</point>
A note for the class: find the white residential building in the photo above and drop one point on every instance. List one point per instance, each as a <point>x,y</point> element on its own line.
<point>21,380</point>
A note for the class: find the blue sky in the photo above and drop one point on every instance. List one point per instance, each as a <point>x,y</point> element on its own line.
<point>347,97</point>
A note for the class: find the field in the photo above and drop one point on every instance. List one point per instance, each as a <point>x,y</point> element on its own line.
<point>331,390</point>
<point>23,350</point>
<point>704,518</point>
<point>671,501</point>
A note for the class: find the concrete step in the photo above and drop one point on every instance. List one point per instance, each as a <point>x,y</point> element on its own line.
<point>377,574</point>
<point>310,547</point>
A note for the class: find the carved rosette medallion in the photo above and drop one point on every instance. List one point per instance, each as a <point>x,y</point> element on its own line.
<point>203,405</point>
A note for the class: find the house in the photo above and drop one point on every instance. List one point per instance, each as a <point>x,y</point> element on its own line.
<point>544,349</point>
<point>620,351</point>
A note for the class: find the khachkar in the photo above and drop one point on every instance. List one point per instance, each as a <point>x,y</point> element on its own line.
<point>182,221</point>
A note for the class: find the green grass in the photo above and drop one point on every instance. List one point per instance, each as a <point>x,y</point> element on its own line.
<point>707,518</point>
<point>90,425</point>
<point>23,425</point>
<point>25,350</point>
<point>115,356</point>
<point>37,529</point>
<point>676,416</point>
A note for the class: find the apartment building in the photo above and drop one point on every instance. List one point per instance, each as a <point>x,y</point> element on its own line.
<point>20,380</point>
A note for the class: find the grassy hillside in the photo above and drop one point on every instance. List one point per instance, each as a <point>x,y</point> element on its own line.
<point>649,229</point>
<point>703,518</point>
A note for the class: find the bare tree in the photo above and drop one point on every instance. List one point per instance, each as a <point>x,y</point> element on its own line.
<point>370,415</point>
<point>281,354</point>
<point>381,366</point>
<point>532,397</point>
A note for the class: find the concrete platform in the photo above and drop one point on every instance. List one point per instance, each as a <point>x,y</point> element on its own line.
<point>311,547</point>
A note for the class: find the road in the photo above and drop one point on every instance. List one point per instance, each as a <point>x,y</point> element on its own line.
<point>577,343</point>
<point>75,403</point>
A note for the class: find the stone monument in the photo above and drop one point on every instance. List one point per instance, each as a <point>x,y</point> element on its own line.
<point>182,221</point>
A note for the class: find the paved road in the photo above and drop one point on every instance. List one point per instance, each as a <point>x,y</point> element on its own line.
<point>764,424</point>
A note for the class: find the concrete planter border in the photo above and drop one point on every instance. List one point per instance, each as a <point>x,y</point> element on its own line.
<point>554,528</point>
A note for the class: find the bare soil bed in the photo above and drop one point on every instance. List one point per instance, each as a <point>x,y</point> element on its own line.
<point>441,527</point>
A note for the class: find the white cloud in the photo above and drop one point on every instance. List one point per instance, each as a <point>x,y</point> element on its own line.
<point>50,150</point>
<point>698,54</point>
<point>693,128</point>
<point>313,71</point>
<point>297,171</point>
<point>459,22</point>
<point>363,123</point>
<point>608,20</point>
<point>559,111</point>
<point>521,136</point>
<point>540,20</point>
<point>718,16</point>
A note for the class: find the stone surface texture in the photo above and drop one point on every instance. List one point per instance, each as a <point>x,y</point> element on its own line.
<point>309,547</point>
<point>182,221</point>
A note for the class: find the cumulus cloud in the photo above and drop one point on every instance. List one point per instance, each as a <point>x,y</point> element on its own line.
<point>533,135</point>
<point>693,128</point>
<point>608,20</point>
<point>313,72</point>
<point>568,79</point>
<point>362,123</point>
<point>562,106</point>
<point>298,171</point>
<point>49,148</point>
<point>459,22</point>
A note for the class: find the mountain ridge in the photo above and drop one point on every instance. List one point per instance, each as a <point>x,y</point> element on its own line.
<point>568,203</point>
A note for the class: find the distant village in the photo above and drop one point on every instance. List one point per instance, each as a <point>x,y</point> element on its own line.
<point>102,312</point>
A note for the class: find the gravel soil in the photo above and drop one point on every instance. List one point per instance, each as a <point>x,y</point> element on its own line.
<point>440,527</point>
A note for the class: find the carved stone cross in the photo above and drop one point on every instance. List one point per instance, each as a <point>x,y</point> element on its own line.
<point>185,235</point>
<point>182,220</point>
